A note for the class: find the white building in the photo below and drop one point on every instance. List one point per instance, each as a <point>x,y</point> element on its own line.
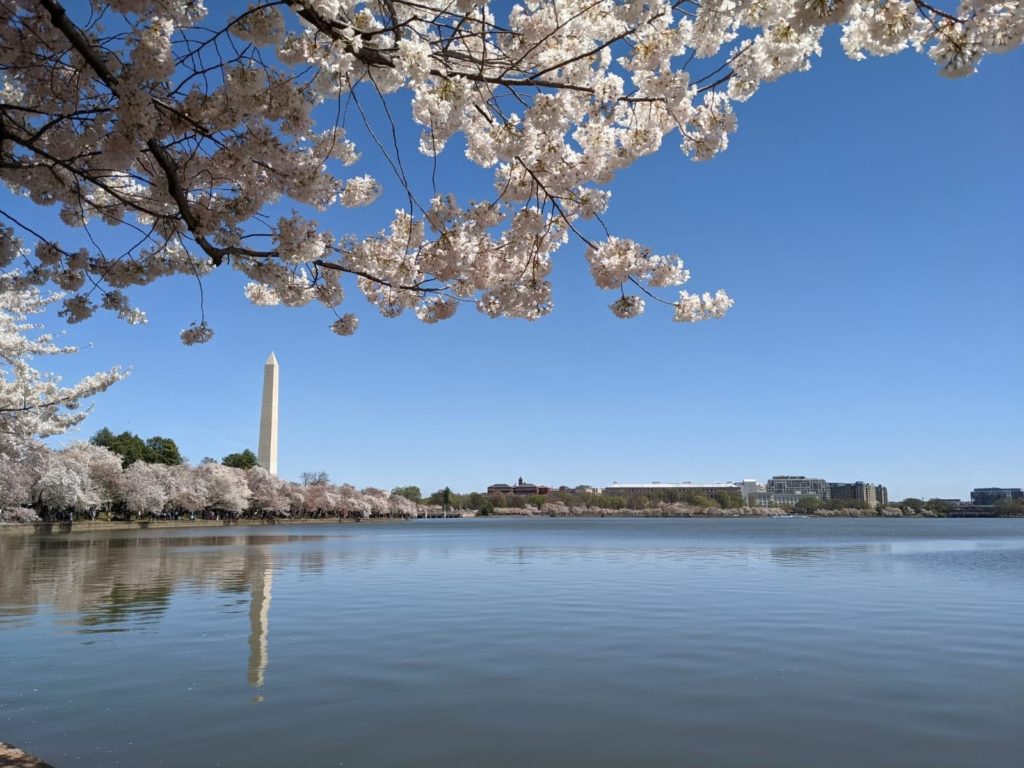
<point>748,488</point>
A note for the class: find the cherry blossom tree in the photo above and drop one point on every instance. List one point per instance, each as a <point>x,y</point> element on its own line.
<point>144,488</point>
<point>18,475</point>
<point>101,466</point>
<point>400,506</point>
<point>226,488</point>
<point>353,503</point>
<point>186,492</point>
<point>33,403</point>
<point>66,487</point>
<point>267,493</point>
<point>319,499</point>
<point>187,129</point>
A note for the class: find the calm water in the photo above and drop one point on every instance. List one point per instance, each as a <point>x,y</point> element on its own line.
<point>703,643</point>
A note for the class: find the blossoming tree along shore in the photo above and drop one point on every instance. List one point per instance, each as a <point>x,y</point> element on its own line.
<point>184,127</point>
<point>84,480</point>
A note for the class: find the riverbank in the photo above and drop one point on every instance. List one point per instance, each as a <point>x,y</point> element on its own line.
<point>86,526</point>
<point>672,511</point>
<point>12,757</point>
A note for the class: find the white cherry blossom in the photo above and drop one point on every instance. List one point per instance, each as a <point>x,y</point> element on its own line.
<point>33,403</point>
<point>186,124</point>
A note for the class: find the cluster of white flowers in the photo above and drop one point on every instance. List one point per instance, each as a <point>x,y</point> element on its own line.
<point>156,127</point>
<point>33,403</point>
<point>360,190</point>
<point>345,325</point>
<point>197,334</point>
<point>627,307</point>
<point>690,308</point>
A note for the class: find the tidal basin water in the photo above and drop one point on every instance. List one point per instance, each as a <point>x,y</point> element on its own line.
<point>611,642</point>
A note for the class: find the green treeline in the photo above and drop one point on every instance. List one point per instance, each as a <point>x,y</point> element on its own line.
<point>486,503</point>
<point>160,450</point>
<point>131,448</point>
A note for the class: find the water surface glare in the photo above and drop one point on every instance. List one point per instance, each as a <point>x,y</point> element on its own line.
<point>706,643</point>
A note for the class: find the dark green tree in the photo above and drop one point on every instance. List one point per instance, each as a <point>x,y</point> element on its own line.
<point>443,498</point>
<point>1010,507</point>
<point>411,492</point>
<point>730,500</point>
<point>699,500</point>
<point>130,447</point>
<point>162,450</point>
<point>244,460</point>
<point>807,504</point>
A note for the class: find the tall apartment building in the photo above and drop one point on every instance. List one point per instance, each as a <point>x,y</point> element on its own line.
<point>867,492</point>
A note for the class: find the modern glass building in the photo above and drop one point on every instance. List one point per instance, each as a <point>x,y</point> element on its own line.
<point>798,485</point>
<point>986,497</point>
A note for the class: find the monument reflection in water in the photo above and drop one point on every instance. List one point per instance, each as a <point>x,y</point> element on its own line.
<point>115,584</point>
<point>259,624</point>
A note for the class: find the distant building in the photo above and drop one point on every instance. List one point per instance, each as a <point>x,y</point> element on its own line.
<point>786,491</point>
<point>765,499</point>
<point>748,488</point>
<point>987,497</point>
<point>711,490</point>
<point>578,489</point>
<point>519,489</point>
<point>867,492</point>
<point>798,485</point>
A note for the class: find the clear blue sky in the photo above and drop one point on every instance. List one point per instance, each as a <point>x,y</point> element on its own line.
<point>868,221</point>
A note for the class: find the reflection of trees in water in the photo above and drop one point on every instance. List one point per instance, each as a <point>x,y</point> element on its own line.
<point>127,604</point>
<point>112,582</point>
<point>117,584</point>
<point>108,576</point>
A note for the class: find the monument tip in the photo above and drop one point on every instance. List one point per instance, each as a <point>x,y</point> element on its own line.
<point>271,360</point>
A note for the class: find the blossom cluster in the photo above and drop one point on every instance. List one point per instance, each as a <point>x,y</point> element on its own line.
<point>156,116</point>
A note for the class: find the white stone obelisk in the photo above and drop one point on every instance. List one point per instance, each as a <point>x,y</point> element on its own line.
<point>268,417</point>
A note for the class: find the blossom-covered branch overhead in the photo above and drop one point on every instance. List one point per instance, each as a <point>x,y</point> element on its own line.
<point>184,129</point>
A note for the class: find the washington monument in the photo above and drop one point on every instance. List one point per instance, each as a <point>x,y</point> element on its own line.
<point>268,417</point>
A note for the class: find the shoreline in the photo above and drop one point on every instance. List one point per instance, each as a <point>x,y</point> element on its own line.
<point>89,526</point>
<point>18,758</point>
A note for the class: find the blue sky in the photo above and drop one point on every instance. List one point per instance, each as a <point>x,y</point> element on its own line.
<point>867,219</point>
